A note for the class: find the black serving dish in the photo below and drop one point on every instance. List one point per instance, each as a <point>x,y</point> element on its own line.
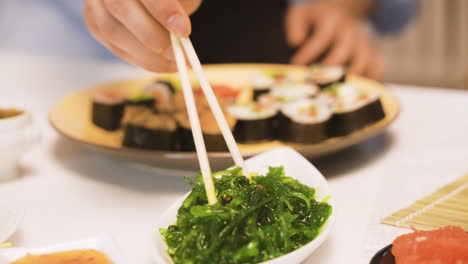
<point>384,256</point>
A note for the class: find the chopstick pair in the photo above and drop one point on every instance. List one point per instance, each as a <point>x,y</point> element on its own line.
<point>193,114</point>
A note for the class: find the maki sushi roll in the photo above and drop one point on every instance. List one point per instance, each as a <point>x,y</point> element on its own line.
<point>147,130</point>
<point>214,140</point>
<point>143,99</point>
<point>256,122</point>
<point>263,82</point>
<point>228,93</point>
<point>353,108</point>
<point>200,101</point>
<point>289,93</point>
<point>107,110</point>
<point>304,121</point>
<point>326,76</point>
<point>163,92</point>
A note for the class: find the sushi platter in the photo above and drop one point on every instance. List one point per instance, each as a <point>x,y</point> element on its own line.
<point>316,110</point>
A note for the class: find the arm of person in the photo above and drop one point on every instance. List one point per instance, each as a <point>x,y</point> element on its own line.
<point>138,30</point>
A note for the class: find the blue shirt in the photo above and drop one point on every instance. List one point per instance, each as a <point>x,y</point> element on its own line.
<point>391,16</point>
<point>56,27</point>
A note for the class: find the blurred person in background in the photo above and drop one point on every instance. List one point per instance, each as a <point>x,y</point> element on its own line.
<point>297,31</point>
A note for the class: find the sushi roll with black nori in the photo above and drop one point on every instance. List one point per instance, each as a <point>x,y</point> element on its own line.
<point>354,109</point>
<point>293,92</point>
<point>163,92</point>
<point>304,121</point>
<point>147,130</point>
<point>143,99</point>
<point>107,110</point>
<point>256,122</point>
<point>184,133</point>
<point>214,140</point>
<point>326,76</point>
<point>261,84</point>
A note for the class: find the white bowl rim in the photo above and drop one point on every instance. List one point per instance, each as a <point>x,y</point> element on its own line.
<point>300,253</point>
<point>15,122</point>
<point>104,243</point>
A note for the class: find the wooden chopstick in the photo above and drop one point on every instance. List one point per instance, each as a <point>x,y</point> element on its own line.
<point>194,121</point>
<point>214,105</point>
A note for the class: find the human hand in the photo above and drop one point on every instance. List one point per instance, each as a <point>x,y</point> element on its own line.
<point>138,30</point>
<point>335,31</point>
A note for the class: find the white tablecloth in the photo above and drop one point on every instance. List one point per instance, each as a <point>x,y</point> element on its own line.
<point>71,193</point>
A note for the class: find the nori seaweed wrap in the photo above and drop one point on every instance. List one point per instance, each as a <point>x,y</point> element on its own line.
<point>304,121</point>
<point>147,130</point>
<point>107,110</point>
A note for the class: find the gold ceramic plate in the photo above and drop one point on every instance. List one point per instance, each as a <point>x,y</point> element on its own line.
<point>71,117</point>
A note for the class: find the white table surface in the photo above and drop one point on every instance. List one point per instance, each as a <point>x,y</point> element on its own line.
<point>71,193</point>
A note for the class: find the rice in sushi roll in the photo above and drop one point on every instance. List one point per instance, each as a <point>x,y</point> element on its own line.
<point>147,130</point>
<point>293,92</point>
<point>353,108</point>
<point>200,101</point>
<point>263,82</point>
<point>107,110</point>
<point>256,122</point>
<point>326,76</point>
<point>163,92</point>
<point>214,140</point>
<point>304,121</point>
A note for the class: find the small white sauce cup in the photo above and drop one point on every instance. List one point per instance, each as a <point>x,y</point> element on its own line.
<point>17,135</point>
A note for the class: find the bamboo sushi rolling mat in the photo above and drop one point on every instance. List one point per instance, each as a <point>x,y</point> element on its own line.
<point>446,206</point>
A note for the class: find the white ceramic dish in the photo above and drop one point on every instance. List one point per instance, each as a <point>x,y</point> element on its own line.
<point>10,219</point>
<point>296,166</point>
<point>19,134</point>
<point>104,244</point>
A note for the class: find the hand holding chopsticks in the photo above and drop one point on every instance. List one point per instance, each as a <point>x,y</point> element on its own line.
<point>193,114</point>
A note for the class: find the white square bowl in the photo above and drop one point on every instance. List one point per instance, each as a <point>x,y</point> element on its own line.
<point>295,166</point>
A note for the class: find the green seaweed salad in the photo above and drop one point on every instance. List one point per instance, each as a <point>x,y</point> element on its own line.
<point>254,220</point>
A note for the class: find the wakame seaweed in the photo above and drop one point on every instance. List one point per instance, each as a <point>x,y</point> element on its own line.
<point>254,220</point>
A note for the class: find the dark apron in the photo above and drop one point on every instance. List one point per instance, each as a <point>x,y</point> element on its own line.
<point>236,31</point>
